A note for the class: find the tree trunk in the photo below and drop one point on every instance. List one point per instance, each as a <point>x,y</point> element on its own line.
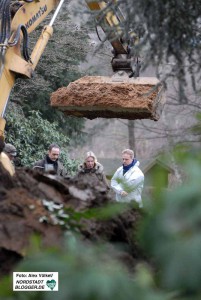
<point>131,136</point>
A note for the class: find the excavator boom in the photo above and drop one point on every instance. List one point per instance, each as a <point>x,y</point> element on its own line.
<point>110,20</point>
<point>16,23</point>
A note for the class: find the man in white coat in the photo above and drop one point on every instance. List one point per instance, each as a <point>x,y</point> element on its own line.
<point>128,180</point>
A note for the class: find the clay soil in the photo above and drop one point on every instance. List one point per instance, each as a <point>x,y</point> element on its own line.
<point>96,96</point>
<point>24,211</point>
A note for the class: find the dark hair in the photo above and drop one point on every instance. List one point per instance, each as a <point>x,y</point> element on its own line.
<point>53,146</point>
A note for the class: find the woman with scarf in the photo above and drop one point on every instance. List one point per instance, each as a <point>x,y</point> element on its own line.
<point>128,180</point>
<point>91,169</point>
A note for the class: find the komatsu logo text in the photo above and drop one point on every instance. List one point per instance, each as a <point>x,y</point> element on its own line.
<point>31,21</point>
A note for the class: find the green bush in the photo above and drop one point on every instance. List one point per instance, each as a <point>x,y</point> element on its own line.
<point>33,135</point>
<point>85,273</point>
<point>171,235</point>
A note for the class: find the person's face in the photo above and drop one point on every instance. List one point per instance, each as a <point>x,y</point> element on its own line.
<point>54,154</point>
<point>127,160</point>
<point>90,162</point>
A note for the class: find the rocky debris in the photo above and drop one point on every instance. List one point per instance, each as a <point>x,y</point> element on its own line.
<point>31,202</point>
<point>111,97</point>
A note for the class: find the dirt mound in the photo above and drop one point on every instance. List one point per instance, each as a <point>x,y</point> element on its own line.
<point>110,97</point>
<point>27,205</point>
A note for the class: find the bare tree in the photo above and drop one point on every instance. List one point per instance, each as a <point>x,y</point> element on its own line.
<point>131,136</point>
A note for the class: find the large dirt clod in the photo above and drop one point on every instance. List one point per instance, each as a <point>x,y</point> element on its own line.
<point>111,97</point>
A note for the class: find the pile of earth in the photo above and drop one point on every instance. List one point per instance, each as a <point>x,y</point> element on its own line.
<point>28,202</point>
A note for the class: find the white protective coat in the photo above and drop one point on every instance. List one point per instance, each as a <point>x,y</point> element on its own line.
<point>131,182</point>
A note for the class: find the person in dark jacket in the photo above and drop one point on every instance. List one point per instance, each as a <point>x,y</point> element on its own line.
<point>51,164</point>
<point>92,169</point>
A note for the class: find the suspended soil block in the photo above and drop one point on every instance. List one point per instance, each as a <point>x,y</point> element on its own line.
<point>111,97</point>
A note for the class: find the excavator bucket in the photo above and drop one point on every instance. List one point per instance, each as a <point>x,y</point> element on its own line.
<point>111,97</point>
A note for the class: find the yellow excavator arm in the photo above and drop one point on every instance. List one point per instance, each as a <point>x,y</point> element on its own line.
<point>109,18</point>
<point>109,21</point>
<point>16,23</point>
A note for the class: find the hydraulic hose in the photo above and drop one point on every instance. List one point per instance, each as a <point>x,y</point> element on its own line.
<point>25,42</point>
<point>5,31</point>
<point>5,18</point>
